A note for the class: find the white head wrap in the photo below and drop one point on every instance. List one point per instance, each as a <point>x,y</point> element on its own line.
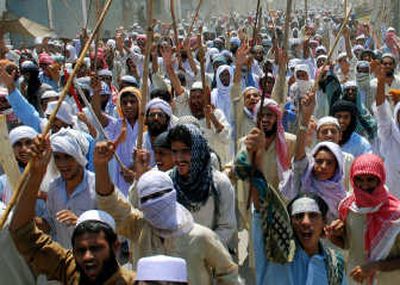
<point>305,205</point>
<point>161,211</point>
<point>162,268</point>
<point>21,132</point>
<point>72,53</point>
<point>64,113</point>
<point>71,142</point>
<point>97,215</point>
<point>158,103</point>
<point>328,120</point>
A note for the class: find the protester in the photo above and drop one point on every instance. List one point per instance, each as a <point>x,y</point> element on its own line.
<point>92,259</point>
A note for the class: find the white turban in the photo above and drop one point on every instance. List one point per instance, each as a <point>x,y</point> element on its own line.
<point>21,132</point>
<point>64,113</point>
<point>158,103</point>
<point>71,142</point>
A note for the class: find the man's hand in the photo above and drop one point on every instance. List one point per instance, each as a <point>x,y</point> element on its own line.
<point>307,107</point>
<point>103,153</point>
<point>364,272</point>
<point>166,53</point>
<point>254,140</point>
<point>142,162</point>
<point>335,232</point>
<point>66,217</point>
<point>242,55</point>
<point>128,175</point>
<point>40,153</point>
<point>6,78</point>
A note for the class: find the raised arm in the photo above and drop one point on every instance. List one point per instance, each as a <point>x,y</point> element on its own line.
<point>166,53</point>
<point>306,110</point>
<point>96,101</point>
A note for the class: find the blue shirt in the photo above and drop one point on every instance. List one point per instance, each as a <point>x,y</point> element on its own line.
<point>304,270</point>
<point>82,199</point>
<point>357,145</point>
<point>28,115</point>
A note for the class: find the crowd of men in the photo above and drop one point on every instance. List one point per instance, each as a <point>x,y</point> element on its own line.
<point>240,178</point>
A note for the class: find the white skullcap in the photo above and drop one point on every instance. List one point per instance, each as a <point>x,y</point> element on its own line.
<point>328,120</point>
<point>21,132</point>
<point>305,205</point>
<point>341,56</point>
<point>105,72</point>
<point>162,268</point>
<point>158,103</point>
<point>50,94</point>
<point>64,113</point>
<point>71,142</point>
<point>97,215</point>
<point>197,86</point>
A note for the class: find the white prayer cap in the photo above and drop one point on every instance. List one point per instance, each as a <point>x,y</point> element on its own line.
<point>71,142</point>
<point>341,56</point>
<point>197,86</point>
<point>162,268</point>
<point>50,94</point>
<point>64,113</point>
<point>21,132</point>
<point>305,205</point>
<point>105,72</point>
<point>328,120</point>
<point>97,215</point>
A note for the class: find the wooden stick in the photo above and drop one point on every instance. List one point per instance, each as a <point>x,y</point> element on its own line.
<point>306,10</point>
<point>52,117</point>
<point>331,51</point>
<point>203,74</point>
<point>195,18</point>
<point>144,90</point>
<point>178,48</point>
<point>99,127</point>
<point>253,43</point>
<point>278,93</point>
<point>7,157</point>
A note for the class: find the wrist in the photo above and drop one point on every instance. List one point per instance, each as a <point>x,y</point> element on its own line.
<point>11,87</point>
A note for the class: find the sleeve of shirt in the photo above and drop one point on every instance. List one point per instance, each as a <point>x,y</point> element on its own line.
<point>181,103</point>
<point>128,219</point>
<point>384,121</point>
<point>24,110</point>
<point>226,131</point>
<point>291,183</point>
<point>226,271</point>
<point>43,254</point>
<point>226,222</point>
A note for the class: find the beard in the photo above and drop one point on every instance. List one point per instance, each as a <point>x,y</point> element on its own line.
<point>155,129</point>
<point>390,73</point>
<point>110,266</point>
<point>271,132</point>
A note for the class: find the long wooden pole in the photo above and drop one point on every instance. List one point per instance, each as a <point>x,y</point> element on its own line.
<point>203,74</point>
<point>253,43</point>
<point>178,48</point>
<point>196,16</point>
<point>331,51</point>
<point>52,117</point>
<point>144,89</point>
<point>278,93</point>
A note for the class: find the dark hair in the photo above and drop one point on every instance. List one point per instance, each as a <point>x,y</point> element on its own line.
<point>161,93</point>
<point>323,207</point>
<point>94,227</point>
<point>180,133</point>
